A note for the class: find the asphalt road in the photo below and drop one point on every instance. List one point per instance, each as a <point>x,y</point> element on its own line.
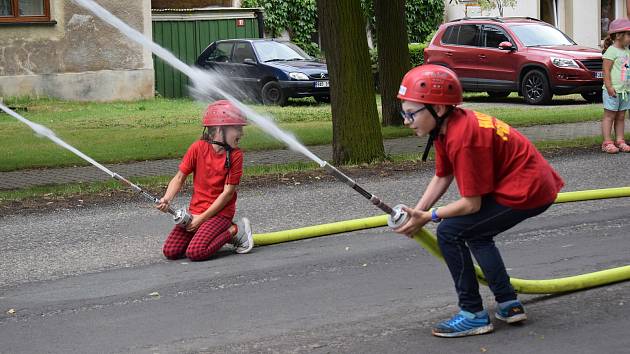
<point>92,279</point>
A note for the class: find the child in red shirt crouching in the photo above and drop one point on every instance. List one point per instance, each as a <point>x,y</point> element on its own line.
<point>217,166</point>
<point>502,180</point>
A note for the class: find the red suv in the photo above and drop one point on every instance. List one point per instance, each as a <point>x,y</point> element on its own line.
<point>524,55</point>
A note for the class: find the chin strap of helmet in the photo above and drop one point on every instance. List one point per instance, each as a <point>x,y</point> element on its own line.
<point>227,147</point>
<point>439,120</point>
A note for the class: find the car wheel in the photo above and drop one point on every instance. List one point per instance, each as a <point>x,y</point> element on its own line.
<point>592,97</point>
<point>272,94</point>
<point>322,99</point>
<point>535,87</point>
<point>499,94</point>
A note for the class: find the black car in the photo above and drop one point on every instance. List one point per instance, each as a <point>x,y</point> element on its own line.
<point>269,70</point>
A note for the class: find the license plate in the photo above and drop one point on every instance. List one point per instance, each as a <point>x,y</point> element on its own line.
<point>599,74</point>
<point>322,83</point>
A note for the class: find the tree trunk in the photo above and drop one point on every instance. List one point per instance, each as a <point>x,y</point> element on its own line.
<point>500,7</point>
<point>357,134</point>
<point>393,55</point>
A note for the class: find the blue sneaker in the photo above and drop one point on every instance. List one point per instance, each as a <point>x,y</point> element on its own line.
<point>463,324</point>
<point>512,313</point>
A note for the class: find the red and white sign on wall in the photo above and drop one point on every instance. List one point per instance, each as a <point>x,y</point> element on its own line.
<point>240,22</point>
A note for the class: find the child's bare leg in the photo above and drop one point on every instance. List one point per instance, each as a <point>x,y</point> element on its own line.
<point>619,124</point>
<point>607,124</point>
<point>619,129</point>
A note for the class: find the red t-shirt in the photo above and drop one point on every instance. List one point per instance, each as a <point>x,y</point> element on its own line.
<point>487,156</point>
<point>210,176</point>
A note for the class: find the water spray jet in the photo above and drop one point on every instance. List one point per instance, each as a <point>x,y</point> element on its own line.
<point>204,87</point>
<point>180,216</point>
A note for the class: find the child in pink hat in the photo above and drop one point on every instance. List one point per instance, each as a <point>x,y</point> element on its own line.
<point>616,65</point>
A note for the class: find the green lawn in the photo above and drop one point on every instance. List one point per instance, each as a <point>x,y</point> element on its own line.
<point>164,128</point>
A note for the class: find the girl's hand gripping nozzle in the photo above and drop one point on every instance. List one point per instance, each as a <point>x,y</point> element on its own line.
<point>181,217</point>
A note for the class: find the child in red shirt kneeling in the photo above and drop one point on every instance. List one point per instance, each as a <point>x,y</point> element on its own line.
<point>217,166</point>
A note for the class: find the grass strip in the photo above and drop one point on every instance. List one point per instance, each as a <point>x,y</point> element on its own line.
<point>157,183</point>
<point>156,129</point>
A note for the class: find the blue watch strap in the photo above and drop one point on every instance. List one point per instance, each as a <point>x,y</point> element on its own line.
<point>434,216</point>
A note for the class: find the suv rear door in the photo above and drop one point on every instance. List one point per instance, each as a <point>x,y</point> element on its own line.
<point>461,46</point>
<point>497,69</point>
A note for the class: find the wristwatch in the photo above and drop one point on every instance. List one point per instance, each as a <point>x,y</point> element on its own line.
<point>434,216</point>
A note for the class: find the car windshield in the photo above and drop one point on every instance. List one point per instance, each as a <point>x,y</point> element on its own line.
<point>535,35</point>
<point>279,51</point>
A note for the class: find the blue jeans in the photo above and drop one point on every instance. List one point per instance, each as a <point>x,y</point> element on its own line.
<point>459,236</point>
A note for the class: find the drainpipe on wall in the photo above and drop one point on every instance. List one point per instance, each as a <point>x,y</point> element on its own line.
<point>261,22</point>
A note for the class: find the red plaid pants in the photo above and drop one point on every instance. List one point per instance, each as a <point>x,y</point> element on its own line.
<point>198,245</point>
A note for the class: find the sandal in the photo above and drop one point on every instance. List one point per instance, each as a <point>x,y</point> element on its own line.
<point>609,147</point>
<point>622,146</point>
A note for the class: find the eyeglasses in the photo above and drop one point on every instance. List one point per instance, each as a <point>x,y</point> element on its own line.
<point>409,116</point>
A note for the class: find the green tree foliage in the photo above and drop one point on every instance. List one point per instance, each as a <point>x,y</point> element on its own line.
<point>297,17</point>
<point>487,5</point>
<point>498,4</point>
<point>423,17</point>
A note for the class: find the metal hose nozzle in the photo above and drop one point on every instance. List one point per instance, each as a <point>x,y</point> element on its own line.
<point>397,216</point>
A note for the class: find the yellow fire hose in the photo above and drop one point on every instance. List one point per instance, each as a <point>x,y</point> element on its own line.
<point>429,242</point>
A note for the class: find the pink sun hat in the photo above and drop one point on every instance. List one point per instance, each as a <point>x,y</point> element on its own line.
<point>619,25</point>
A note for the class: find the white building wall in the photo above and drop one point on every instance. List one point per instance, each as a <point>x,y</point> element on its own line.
<point>586,23</point>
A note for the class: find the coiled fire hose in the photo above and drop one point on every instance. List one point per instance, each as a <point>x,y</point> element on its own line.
<point>427,240</point>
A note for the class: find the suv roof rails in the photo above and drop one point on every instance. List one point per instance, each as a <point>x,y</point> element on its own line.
<point>497,19</point>
<point>523,17</point>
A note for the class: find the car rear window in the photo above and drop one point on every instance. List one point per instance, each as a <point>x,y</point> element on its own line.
<point>462,35</point>
<point>450,35</point>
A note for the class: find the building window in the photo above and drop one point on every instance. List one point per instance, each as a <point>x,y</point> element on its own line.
<point>608,12</point>
<point>24,11</point>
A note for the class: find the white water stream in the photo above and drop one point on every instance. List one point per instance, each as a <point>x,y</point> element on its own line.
<point>42,131</point>
<point>204,82</point>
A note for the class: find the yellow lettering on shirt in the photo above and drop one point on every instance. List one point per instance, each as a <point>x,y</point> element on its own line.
<point>503,130</point>
<point>485,121</point>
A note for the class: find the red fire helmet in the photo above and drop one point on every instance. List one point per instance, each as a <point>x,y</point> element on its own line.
<point>431,84</point>
<point>222,113</point>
